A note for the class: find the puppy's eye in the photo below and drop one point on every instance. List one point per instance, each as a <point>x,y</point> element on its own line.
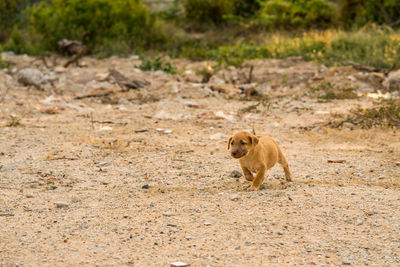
<point>242,143</point>
<point>232,143</point>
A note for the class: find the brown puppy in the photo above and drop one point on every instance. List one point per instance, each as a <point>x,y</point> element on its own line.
<point>257,154</point>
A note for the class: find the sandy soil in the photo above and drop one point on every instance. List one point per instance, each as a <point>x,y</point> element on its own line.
<point>144,179</point>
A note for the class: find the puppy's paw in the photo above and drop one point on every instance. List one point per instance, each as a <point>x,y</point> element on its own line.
<point>253,188</point>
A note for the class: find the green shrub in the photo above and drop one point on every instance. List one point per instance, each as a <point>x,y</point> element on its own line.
<point>207,11</point>
<point>156,64</point>
<point>384,114</point>
<point>360,12</point>
<point>374,48</point>
<point>96,23</point>
<point>294,14</point>
<point>246,8</point>
<point>20,44</point>
<point>8,12</point>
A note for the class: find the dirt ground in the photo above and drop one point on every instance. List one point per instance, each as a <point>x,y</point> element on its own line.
<point>143,177</point>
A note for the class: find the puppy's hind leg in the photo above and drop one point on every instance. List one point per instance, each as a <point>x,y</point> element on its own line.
<point>282,160</point>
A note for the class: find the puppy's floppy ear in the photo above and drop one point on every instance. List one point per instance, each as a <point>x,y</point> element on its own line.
<point>229,142</point>
<point>253,139</point>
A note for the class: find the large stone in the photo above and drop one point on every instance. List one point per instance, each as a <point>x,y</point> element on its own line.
<point>30,77</point>
<point>392,82</point>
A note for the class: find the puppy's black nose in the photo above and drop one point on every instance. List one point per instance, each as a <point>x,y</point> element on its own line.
<point>234,153</point>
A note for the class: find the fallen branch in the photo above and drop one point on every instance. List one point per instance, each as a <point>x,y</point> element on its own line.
<point>110,122</point>
<point>97,93</point>
<point>336,161</point>
<point>6,214</point>
<point>75,58</point>
<point>250,77</point>
<point>63,157</point>
<point>125,82</point>
<point>368,68</point>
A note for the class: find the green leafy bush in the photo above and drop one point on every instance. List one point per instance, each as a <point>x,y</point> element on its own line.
<point>217,12</point>
<point>20,44</point>
<point>361,12</point>
<point>96,23</point>
<point>156,64</point>
<point>374,48</point>
<point>207,11</point>
<point>8,12</point>
<point>294,14</point>
<point>246,8</point>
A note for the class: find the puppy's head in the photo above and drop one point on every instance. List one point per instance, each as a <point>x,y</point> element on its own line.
<point>241,143</point>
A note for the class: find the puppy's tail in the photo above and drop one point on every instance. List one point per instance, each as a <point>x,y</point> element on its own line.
<point>282,160</point>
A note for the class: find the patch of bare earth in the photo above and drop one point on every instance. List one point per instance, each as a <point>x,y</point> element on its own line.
<point>141,177</point>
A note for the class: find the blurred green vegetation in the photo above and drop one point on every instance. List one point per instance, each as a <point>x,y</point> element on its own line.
<point>228,31</point>
<point>156,64</point>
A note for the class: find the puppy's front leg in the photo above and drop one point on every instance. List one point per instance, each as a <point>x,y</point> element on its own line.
<point>247,174</point>
<point>259,179</point>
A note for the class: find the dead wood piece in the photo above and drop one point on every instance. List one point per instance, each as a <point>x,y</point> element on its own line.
<point>250,77</point>
<point>125,82</point>
<point>63,157</point>
<point>75,58</point>
<point>97,93</point>
<point>367,68</point>
<point>6,214</point>
<point>141,131</point>
<point>336,161</point>
<point>110,122</point>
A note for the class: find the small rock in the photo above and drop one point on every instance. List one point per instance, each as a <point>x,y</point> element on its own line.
<point>105,182</point>
<point>105,128</point>
<point>61,204</point>
<point>29,195</point>
<point>179,264</point>
<point>321,112</point>
<point>348,125</point>
<point>75,199</point>
<point>146,186</point>
<point>221,114</point>
<point>398,163</point>
<point>166,115</point>
<point>236,173</point>
<point>207,223</point>
<point>217,136</point>
<point>59,69</point>
<point>235,197</point>
<point>103,163</point>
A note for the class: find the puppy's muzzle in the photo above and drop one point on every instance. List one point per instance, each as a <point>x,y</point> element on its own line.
<point>236,154</point>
